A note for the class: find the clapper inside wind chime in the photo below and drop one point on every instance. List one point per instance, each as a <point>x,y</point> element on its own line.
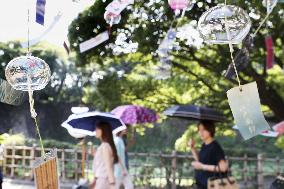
<point>245,105</point>
<point>45,171</point>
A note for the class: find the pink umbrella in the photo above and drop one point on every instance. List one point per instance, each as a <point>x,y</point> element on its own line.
<point>132,114</point>
<point>279,127</point>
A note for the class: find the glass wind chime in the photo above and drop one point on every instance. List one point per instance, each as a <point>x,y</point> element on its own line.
<point>113,11</point>
<point>28,73</point>
<point>167,44</point>
<point>229,24</point>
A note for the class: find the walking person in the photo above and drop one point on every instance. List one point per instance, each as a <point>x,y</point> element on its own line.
<point>121,174</point>
<point>211,157</point>
<point>129,141</point>
<point>105,158</point>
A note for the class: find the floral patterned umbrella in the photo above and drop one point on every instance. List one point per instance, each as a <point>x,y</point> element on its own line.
<point>132,114</point>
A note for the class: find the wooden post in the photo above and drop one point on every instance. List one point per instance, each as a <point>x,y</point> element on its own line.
<point>76,164</point>
<point>161,168</point>
<point>33,150</point>
<point>4,160</point>
<point>83,157</point>
<point>135,165</point>
<point>13,162</point>
<point>63,164</point>
<point>24,161</point>
<point>260,179</point>
<point>87,161</point>
<point>245,170</point>
<point>277,166</point>
<point>174,167</point>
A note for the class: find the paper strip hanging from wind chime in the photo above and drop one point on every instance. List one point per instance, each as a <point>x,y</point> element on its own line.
<point>243,100</point>
<point>8,95</point>
<point>246,109</point>
<point>40,11</point>
<point>45,171</point>
<point>270,52</point>
<point>93,42</point>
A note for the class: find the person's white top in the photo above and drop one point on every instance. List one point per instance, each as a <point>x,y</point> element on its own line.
<point>103,162</point>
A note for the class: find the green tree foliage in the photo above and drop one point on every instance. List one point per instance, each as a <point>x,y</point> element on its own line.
<point>197,73</point>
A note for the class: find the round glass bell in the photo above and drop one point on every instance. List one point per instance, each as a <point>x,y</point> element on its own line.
<point>27,72</point>
<point>214,24</point>
<point>111,18</point>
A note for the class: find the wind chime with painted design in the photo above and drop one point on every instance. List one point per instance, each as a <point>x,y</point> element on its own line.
<point>29,73</point>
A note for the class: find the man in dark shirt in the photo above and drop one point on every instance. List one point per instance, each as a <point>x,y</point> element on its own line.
<point>211,157</point>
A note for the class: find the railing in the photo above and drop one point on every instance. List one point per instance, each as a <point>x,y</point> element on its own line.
<point>149,170</point>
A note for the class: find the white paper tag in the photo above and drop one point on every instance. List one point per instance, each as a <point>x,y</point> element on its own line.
<point>246,109</point>
<point>117,6</point>
<point>93,42</point>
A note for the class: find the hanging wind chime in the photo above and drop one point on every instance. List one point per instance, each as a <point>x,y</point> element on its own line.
<point>167,44</point>
<point>29,73</point>
<point>229,24</point>
<point>112,14</point>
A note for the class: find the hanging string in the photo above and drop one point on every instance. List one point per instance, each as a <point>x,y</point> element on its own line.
<point>231,49</point>
<point>28,31</point>
<point>110,26</point>
<point>264,20</point>
<point>175,17</point>
<point>261,24</point>
<point>183,13</point>
<point>33,112</point>
<point>30,92</point>
<point>109,30</point>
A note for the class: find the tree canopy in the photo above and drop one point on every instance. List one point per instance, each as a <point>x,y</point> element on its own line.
<point>197,73</point>
<point>122,70</point>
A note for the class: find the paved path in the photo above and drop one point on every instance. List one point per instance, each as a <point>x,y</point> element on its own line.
<point>11,185</point>
<point>19,184</point>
